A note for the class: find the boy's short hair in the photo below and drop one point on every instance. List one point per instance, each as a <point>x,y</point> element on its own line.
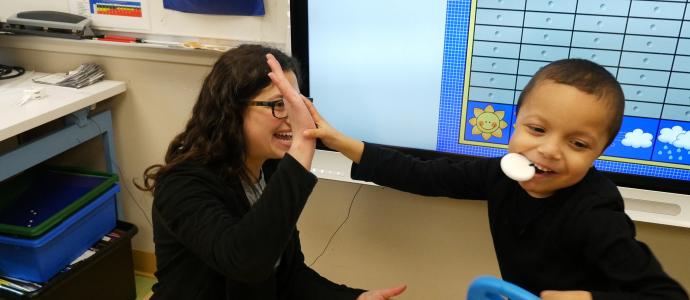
<point>588,77</point>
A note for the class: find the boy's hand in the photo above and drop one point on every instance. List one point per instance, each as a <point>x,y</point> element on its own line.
<point>566,295</point>
<point>332,138</point>
<point>382,294</point>
<point>324,131</point>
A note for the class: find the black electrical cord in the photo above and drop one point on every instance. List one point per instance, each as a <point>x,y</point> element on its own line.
<point>347,217</point>
<point>7,72</point>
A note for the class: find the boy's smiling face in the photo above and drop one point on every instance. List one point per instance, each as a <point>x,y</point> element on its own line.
<point>562,130</point>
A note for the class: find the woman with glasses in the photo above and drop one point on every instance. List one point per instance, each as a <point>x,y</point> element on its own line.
<point>233,185</point>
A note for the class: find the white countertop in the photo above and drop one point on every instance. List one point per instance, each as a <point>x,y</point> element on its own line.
<point>57,102</point>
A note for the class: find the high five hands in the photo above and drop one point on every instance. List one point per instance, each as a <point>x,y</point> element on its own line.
<point>307,124</point>
<point>299,118</point>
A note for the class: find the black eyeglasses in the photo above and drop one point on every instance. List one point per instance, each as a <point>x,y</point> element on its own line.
<point>277,107</point>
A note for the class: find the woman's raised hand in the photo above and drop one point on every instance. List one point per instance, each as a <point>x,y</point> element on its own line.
<point>300,119</point>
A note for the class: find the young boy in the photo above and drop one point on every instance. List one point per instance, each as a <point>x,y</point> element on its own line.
<point>562,234</point>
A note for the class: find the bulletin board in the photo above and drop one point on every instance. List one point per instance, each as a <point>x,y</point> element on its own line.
<point>148,17</point>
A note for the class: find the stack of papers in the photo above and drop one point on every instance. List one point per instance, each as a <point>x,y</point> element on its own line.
<point>84,75</point>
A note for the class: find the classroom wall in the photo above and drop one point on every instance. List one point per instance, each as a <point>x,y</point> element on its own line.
<point>158,22</point>
<point>435,245</point>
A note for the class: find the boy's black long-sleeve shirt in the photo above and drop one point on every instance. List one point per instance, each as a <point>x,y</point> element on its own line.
<point>210,244</point>
<point>578,239</point>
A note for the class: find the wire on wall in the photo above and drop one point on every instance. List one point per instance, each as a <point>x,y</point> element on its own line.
<point>347,217</point>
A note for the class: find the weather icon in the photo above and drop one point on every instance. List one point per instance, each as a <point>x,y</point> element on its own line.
<point>488,123</point>
<point>637,139</point>
<point>677,142</point>
<point>675,136</point>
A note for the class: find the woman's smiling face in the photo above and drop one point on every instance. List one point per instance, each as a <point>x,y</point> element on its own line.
<point>266,136</point>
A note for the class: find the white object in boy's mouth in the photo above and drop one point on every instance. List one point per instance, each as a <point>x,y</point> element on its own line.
<point>517,167</point>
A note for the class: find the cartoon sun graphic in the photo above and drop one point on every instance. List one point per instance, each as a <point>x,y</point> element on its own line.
<point>488,122</point>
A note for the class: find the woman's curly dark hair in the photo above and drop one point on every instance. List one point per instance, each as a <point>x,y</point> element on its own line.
<point>214,134</point>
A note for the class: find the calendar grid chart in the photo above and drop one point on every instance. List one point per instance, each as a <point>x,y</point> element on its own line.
<point>644,44</point>
<point>456,47</point>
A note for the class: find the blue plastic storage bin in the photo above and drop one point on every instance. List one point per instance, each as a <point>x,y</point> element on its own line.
<point>37,200</point>
<point>40,259</point>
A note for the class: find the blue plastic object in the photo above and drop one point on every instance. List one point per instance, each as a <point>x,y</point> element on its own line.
<point>492,288</point>
<point>35,201</point>
<point>218,7</point>
<point>40,259</point>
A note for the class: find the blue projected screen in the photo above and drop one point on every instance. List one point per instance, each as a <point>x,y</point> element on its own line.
<point>420,74</point>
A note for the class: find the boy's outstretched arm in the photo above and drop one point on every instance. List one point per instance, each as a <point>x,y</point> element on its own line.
<point>332,138</point>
